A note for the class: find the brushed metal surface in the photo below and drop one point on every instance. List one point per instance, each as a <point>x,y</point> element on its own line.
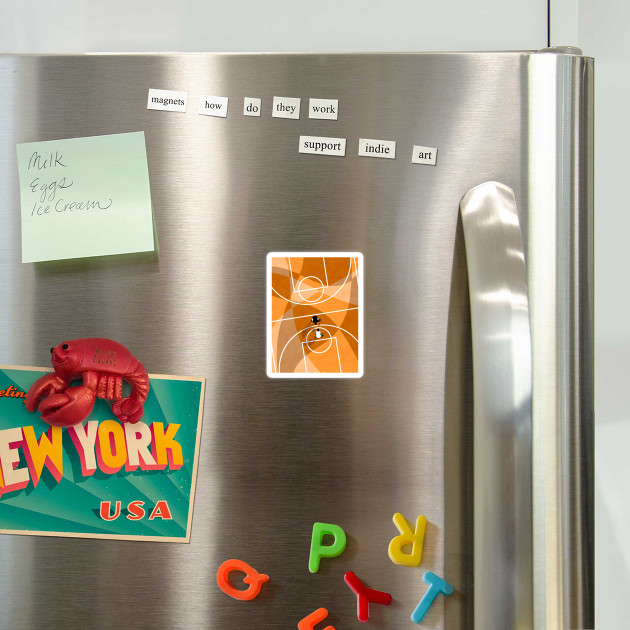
<point>275,455</point>
<point>560,276</point>
<point>502,368</point>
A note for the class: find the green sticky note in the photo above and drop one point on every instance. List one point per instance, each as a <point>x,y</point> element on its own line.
<point>85,197</point>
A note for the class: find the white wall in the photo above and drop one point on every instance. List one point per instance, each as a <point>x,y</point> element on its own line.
<point>604,29</point>
<point>270,25</point>
<point>600,28</point>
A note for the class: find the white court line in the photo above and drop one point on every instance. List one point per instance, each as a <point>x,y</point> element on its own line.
<point>314,326</point>
<point>291,276</point>
<point>293,283</point>
<point>343,310</point>
<point>330,297</point>
<point>338,356</point>
<point>308,343</point>
<point>313,289</point>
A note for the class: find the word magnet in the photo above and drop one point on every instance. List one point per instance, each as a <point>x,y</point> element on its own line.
<point>251,106</point>
<point>167,100</point>
<point>424,155</point>
<point>213,105</point>
<point>285,107</point>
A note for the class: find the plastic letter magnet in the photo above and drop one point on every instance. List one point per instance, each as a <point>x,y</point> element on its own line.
<point>365,595</point>
<point>252,577</point>
<point>319,551</point>
<point>309,622</point>
<point>436,586</point>
<point>407,537</point>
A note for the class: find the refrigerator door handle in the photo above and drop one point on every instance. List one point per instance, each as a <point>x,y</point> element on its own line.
<point>502,375</point>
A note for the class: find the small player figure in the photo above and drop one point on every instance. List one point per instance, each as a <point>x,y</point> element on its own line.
<point>318,334</point>
<point>316,320</point>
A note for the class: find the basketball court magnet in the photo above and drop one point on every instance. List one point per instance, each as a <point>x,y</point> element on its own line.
<point>315,314</point>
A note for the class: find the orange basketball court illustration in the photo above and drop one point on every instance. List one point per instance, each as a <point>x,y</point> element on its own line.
<point>314,315</point>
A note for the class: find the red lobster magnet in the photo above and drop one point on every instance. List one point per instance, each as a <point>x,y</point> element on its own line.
<point>102,364</point>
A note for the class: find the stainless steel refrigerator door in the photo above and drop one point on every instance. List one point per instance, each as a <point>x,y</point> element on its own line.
<point>276,455</point>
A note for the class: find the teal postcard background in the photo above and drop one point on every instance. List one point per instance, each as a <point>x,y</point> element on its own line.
<point>72,505</point>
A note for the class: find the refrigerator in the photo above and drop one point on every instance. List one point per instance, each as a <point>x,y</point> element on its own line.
<point>453,195</point>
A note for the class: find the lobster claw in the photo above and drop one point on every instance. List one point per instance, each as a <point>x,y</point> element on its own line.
<point>68,408</point>
<point>44,386</point>
<point>128,409</point>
